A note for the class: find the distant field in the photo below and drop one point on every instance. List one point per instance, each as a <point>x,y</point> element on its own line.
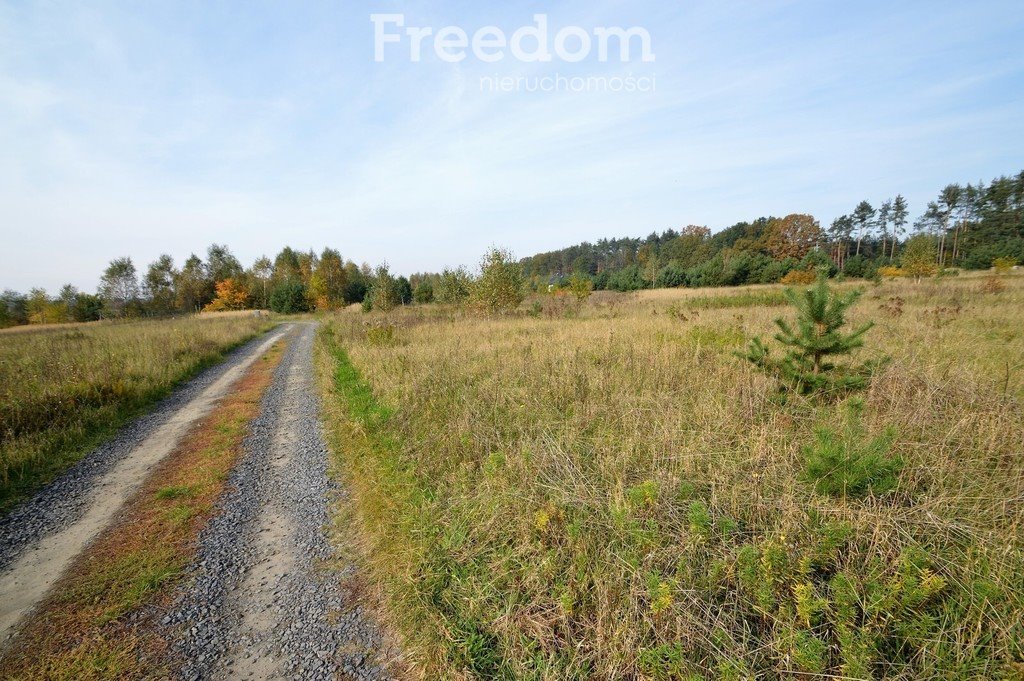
<point>65,387</point>
<point>610,493</point>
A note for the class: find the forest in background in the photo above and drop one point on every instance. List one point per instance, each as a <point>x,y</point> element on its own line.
<point>966,226</point>
<point>970,226</point>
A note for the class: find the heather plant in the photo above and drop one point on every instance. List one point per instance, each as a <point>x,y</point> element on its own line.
<point>817,337</point>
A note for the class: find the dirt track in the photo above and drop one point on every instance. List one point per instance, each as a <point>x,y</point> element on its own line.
<point>263,599</point>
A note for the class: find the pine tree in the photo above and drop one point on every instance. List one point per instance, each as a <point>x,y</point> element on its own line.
<point>811,344</point>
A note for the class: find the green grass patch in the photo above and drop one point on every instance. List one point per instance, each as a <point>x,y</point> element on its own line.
<point>766,298</point>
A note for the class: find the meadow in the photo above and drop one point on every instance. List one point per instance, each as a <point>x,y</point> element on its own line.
<point>64,388</point>
<point>606,491</point>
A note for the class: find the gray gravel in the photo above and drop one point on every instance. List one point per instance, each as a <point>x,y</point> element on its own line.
<point>64,500</point>
<point>274,513</point>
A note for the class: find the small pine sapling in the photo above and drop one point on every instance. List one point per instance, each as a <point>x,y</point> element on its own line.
<point>811,344</point>
<point>847,463</point>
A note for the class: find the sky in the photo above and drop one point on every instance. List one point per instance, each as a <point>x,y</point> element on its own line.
<point>135,129</point>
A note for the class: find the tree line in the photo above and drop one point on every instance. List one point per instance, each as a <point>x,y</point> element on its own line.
<point>968,226</point>
<point>294,281</point>
<point>972,226</point>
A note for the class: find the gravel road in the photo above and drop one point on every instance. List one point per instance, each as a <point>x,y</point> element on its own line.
<point>265,597</point>
<point>40,538</point>
<point>261,602</point>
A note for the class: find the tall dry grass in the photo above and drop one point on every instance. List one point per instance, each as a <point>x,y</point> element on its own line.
<point>62,389</point>
<point>610,493</point>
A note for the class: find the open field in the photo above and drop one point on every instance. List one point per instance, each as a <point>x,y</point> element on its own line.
<point>610,493</point>
<point>64,388</point>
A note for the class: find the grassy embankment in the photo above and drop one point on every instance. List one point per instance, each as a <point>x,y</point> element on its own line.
<point>100,622</point>
<point>614,495</point>
<point>65,389</point>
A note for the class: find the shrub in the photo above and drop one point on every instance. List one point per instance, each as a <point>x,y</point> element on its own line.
<point>919,257</point>
<point>453,286</point>
<point>231,295</point>
<point>847,463</point>
<point>1004,264</point>
<point>890,272</point>
<point>581,286</point>
<point>500,285</point>
<point>858,266</point>
<point>799,277</point>
<point>818,336</point>
<point>386,293</point>
<point>628,279</point>
<point>289,297</point>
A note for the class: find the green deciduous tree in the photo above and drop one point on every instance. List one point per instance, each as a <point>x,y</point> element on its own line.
<point>918,259</point>
<point>499,288</point>
<point>385,294</point>
<point>581,286</point>
<point>328,282</point>
<point>260,275</point>
<point>119,287</point>
<point>158,285</point>
<point>39,307</point>
<point>192,287</point>
<point>221,264</point>
<point>424,292</point>
<point>453,286</point>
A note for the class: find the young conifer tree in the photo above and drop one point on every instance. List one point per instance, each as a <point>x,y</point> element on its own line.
<point>813,344</point>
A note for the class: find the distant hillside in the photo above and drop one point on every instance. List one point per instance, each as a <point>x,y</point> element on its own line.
<point>969,226</point>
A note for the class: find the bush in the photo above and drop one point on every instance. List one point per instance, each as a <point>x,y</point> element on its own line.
<point>817,261</point>
<point>848,464</point>
<point>453,286</point>
<point>386,293</point>
<point>859,267</point>
<point>581,286</point>
<point>890,272</point>
<point>289,297</point>
<point>1004,264</point>
<point>706,274</point>
<point>918,258</point>
<point>800,277</point>
<point>500,286</point>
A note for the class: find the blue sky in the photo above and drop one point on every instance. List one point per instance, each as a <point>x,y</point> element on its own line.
<point>142,128</point>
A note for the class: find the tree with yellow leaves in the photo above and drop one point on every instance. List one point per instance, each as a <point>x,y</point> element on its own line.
<point>231,295</point>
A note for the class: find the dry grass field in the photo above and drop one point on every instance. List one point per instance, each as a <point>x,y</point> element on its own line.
<point>608,492</point>
<point>63,388</point>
